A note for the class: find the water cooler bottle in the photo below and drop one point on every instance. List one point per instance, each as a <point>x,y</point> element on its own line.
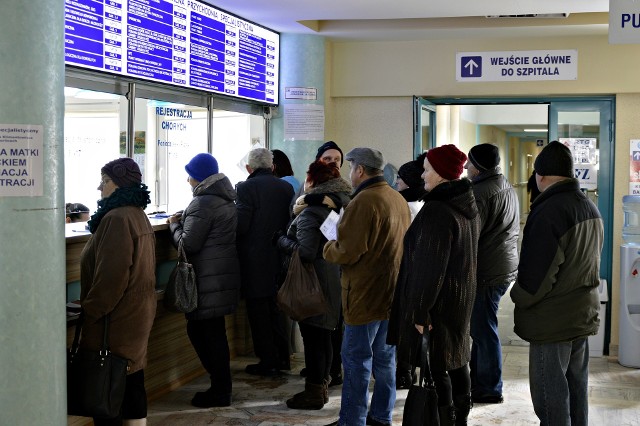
<point>629,348</point>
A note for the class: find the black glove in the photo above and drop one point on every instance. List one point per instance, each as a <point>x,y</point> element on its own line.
<point>276,236</point>
<point>314,199</point>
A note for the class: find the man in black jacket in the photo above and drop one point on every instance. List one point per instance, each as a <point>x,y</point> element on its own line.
<point>497,267</point>
<point>263,209</point>
<point>556,292</point>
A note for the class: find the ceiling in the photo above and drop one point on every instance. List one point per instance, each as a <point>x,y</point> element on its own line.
<point>375,20</point>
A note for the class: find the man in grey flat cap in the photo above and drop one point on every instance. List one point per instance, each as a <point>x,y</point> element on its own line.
<point>369,249</point>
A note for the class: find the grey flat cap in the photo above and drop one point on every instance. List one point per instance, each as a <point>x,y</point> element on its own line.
<point>366,157</point>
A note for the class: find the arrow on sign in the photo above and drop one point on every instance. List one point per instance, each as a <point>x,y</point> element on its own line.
<point>471,64</point>
<point>636,155</point>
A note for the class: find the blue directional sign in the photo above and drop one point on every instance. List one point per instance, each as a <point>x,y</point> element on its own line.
<point>471,66</point>
<point>636,155</point>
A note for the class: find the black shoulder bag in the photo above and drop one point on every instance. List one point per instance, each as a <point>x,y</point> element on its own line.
<point>95,380</point>
<point>421,405</point>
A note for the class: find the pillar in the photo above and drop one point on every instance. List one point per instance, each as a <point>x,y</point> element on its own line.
<point>32,248</point>
<point>302,64</point>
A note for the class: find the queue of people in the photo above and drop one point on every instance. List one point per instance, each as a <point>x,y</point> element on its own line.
<point>434,255</point>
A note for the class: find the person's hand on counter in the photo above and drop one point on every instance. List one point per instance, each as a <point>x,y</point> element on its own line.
<point>174,218</point>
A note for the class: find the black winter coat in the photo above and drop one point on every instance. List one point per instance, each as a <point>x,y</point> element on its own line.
<point>304,234</point>
<point>498,207</point>
<point>263,209</point>
<point>437,281</point>
<point>208,233</point>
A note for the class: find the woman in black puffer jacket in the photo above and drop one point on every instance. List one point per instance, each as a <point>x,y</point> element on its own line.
<point>207,230</point>
<point>330,192</point>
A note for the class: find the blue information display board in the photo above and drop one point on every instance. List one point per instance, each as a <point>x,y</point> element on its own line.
<point>181,42</point>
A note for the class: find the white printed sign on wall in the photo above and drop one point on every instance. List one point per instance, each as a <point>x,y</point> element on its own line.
<point>21,164</point>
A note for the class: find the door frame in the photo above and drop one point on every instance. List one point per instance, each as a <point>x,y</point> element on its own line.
<point>606,105</point>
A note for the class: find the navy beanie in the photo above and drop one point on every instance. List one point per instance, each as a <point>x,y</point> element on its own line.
<point>202,166</point>
<point>327,146</point>
<point>555,159</point>
<point>485,156</point>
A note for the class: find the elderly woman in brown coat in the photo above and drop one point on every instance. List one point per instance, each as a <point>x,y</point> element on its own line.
<point>437,282</point>
<point>118,280</point>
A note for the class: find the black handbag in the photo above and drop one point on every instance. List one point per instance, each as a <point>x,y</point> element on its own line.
<point>95,379</point>
<point>181,292</point>
<point>421,405</point>
<point>301,295</point>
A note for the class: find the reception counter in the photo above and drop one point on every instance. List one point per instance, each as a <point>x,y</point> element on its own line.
<point>171,360</point>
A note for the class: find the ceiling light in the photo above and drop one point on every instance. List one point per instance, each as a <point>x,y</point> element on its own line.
<point>536,130</point>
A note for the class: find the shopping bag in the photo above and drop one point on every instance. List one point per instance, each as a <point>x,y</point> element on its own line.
<point>301,295</point>
<point>95,379</point>
<point>421,405</point>
<point>181,292</point>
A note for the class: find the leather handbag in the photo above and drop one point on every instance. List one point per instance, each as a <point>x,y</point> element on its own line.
<point>301,295</point>
<point>96,380</point>
<point>181,292</point>
<point>421,405</point>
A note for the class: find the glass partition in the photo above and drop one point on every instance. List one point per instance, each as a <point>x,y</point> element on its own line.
<point>93,124</point>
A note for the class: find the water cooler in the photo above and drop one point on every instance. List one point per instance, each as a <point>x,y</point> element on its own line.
<point>629,347</point>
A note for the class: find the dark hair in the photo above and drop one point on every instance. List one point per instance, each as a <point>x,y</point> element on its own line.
<point>281,164</point>
<point>74,211</point>
<point>320,172</point>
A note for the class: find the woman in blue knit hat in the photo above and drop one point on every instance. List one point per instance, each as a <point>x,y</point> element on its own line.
<point>207,230</point>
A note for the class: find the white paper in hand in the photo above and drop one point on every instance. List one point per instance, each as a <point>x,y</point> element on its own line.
<point>329,227</point>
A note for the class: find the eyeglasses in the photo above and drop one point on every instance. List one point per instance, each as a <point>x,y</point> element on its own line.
<point>103,182</point>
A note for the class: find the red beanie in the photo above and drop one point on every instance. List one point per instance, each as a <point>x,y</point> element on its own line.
<point>447,160</point>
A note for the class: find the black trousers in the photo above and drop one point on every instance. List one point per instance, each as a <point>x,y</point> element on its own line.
<point>268,331</point>
<point>209,339</point>
<point>336,342</point>
<point>452,383</point>
<point>318,352</point>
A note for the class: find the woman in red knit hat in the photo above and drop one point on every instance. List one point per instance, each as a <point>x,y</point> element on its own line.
<point>437,282</point>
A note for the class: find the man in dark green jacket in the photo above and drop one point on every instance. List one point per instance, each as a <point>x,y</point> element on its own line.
<point>556,292</point>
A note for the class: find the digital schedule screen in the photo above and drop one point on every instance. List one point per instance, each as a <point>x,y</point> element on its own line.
<point>181,42</point>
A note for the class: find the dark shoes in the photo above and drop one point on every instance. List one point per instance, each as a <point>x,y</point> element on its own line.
<point>207,400</point>
<point>303,372</point>
<point>488,399</point>
<point>373,422</point>
<point>336,380</point>
<point>312,398</point>
<point>261,370</point>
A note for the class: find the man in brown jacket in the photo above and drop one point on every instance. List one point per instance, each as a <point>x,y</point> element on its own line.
<point>369,249</point>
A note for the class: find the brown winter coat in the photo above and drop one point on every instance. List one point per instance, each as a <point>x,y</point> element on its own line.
<point>118,278</point>
<point>369,249</point>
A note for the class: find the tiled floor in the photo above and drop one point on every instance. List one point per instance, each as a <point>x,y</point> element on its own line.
<point>614,398</point>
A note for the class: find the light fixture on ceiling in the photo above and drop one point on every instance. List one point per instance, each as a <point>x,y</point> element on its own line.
<point>532,15</point>
<point>536,130</point>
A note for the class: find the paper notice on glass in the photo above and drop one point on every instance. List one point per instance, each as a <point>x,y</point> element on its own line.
<point>329,227</point>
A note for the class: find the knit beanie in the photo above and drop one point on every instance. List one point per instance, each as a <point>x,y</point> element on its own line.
<point>447,160</point>
<point>485,156</point>
<point>327,146</point>
<point>124,172</point>
<point>411,172</point>
<point>202,166</point>
<point>555,159</point>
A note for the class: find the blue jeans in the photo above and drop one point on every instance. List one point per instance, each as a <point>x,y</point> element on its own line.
<point>558,377</point>
<point>486,352</point>
<point>364,349</point>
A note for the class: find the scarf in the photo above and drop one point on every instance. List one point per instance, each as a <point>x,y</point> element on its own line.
<point>136,196</point>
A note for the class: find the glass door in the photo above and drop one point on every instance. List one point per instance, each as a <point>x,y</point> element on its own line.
<point>586,127</point>
<point>424,125</point>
